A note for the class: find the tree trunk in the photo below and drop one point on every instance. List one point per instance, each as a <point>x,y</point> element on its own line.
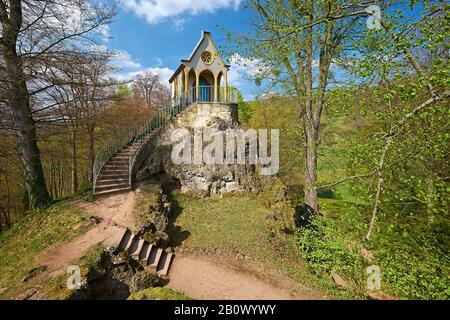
<point>26,135</point>
<point>74,163</point>
<point>311,129</point>
<point>310,173</point>
<point>19,103</point>
<point>91,152</point>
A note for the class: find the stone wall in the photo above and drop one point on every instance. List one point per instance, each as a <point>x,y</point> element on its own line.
<point>202,180</point>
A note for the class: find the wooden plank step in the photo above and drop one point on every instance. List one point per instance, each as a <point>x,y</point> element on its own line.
<point>116,186</point>
<point>145,252</point>
<point>138,249</point>
<point>103,182</point>
<point>133,245</point>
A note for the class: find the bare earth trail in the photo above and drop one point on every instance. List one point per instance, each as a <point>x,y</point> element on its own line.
<point>225,278</point>
<point>198,276</point>
<point>114,213</point>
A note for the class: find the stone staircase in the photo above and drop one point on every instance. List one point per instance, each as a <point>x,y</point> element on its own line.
<point>114,175</point>
<point>147,254</point>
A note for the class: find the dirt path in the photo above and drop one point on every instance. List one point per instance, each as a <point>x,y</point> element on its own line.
<point>224,278</point>
<point>199,276</point>
<point>114,213</point>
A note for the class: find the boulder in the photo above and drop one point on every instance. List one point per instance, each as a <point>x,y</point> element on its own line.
<point>143,280</point>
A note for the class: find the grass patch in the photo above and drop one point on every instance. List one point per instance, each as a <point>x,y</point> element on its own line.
<point>35,232</point>
<point>236,223</point>
<point>158,294</point>
<point>56,288</point>
<point>148,201</point>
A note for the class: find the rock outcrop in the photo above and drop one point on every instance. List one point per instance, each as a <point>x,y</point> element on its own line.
<point>196,179</point>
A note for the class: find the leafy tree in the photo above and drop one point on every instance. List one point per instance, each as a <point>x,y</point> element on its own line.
<point>296,43</point>
<point>34,35</point>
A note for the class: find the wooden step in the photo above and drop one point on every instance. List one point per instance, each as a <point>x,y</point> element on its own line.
<point>109,176</point>
<point>115,167</point>
<point>115,171</point>
<point>118,162</point>
<point>145,252</point>
<point>133,245</point>
<point>138,249</point>
<point>104,182</point>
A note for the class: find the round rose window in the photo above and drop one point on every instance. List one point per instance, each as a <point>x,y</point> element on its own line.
<point>207,57</point>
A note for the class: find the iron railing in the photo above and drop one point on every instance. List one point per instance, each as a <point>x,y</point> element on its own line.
<point>206,94</point>
<point>136,134</point>
<point>120,139</point>
<point>163,116</point>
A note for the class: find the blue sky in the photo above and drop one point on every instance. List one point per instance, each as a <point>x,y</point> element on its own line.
<point>157,34</point>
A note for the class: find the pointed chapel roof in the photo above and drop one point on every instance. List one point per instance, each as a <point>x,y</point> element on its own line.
<point>204,34</point>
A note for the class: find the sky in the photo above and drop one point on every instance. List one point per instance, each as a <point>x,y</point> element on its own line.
<point>156,34</point>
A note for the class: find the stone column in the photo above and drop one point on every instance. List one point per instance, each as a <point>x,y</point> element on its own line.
<point>216,89</point>
<point>225,89</point>
<point>186,82</point>
<point>175,81</point>
<point>197,86</point>
<point>173,89</point>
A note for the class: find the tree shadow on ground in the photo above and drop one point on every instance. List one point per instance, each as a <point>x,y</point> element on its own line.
<point>176,234</point>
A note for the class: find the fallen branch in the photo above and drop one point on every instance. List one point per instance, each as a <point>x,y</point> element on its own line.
<point>345,180</point>
<point>389,139</point>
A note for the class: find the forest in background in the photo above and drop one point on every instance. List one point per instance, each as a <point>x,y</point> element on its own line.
<point>60,100</point>
<point>363,119</point>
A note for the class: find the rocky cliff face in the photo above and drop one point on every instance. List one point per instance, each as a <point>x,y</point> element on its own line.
<point>196,179</point>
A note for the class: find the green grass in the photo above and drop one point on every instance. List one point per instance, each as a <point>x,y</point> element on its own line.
<point>158,294</point>
<point>237,223</point>
<point>35,232</point>
<point>147,202</point>
<point>56,288</point>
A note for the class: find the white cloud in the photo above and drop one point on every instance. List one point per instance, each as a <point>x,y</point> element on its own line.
<point>104,32</point>
<point>316,63</point>
<point>165,73</point>
<point>242,69</point>
<point>124,60</point>
<point>178,23</point>
<point>154,11</point>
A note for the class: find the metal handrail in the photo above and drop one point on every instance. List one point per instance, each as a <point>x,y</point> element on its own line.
<point>136,134</point>
<point>207,94</point>
<point>121,138</point>
<point>163,116</point>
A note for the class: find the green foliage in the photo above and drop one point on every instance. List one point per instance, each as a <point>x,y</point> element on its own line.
<point>123,91</point>
<point>414,255</point>
<point>158,294</point>
<point>328,246</point>
<point>31,235</point>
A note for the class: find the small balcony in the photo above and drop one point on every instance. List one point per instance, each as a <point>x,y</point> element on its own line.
<point>207,94</point>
